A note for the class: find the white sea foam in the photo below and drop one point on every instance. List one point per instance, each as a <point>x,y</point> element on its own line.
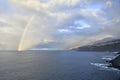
<point>115,52</point>
<point>102,66</point>
<point>108,58</point>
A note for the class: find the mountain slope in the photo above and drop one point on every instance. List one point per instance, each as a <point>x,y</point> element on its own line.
<point>112,45</point>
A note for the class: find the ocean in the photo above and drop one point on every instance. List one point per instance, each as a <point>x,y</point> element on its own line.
<point>56,65</point>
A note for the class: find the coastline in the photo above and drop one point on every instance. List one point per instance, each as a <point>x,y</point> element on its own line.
<point>116,61</point>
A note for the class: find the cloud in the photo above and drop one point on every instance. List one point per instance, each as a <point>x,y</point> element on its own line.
<point>109,3</point>
<point>67,23</point>
<point>64,31</point>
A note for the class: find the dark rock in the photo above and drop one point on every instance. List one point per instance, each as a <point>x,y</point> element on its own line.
<point>108,61</point>
<point>119,79</point>
<point>116,62</point>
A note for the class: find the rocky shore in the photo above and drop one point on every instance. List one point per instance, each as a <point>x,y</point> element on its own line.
<point>105,46</point>
<point>109,46</point>
<point>116,62</point>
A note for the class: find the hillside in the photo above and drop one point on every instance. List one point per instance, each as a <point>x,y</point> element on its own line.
<point>112,45</point>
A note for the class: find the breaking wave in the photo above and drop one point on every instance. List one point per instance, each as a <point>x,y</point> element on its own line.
<point>108,58</point>
<point>102,66</point>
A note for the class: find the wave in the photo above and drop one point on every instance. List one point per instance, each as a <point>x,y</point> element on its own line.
<point>109,58</point>
<point>104,66</point>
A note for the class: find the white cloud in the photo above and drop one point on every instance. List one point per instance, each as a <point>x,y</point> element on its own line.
<point>109,3</point>
<point>65,31</point>
<point>53,19</point>
<point>84,27</point>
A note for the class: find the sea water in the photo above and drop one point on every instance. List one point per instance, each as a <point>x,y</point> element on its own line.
<point>56,65</point>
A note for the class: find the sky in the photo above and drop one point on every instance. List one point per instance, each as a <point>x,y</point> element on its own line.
<point>57,24</point>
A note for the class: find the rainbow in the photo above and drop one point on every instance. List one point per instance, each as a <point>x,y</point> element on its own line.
<point>24,31</point>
